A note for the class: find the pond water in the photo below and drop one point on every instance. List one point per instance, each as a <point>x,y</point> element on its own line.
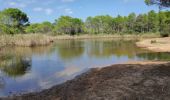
<point>25,70</point>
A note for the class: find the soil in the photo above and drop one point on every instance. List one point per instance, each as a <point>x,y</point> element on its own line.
<point>117,82</point>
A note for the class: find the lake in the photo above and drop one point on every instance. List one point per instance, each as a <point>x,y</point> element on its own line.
<point>24,69</point>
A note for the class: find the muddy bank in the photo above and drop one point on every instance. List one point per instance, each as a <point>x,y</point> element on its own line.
<point>116,82</point>
<point>156,44</point>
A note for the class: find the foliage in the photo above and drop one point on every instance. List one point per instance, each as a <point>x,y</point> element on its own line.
<point>68,25</point>
<point>161,3</point>
<point>12,20</point>
<point>142,23</point>
<point>44,27</point>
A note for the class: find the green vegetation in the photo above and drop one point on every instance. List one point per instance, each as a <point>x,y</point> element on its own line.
<point>44,27</point>
<point>164,23</point>
<point>68,25</point>
<point>155,56</point>
<point>13,21</point>
<point>160,3</point>
<point>14,65</point>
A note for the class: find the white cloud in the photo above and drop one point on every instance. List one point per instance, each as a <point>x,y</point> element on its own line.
<point>47,11</point>
<point>18,5</point>
<point>68,71</point>
<point>12,3</point>
<point>68,11</point>
<point>38,9</point>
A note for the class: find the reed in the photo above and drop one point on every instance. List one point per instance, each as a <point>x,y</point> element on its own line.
<point>25,40</point>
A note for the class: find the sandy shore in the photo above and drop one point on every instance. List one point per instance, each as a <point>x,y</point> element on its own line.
<point>137,81</point>
<point>155,44</point>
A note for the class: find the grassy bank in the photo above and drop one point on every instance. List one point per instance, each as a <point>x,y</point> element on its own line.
<point>30,40</point>
<point>27,40</point>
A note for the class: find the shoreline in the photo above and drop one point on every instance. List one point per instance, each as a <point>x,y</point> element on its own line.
<point>87,36</point>
<point>33,40</point>
<point>129,81</point>
<point>155,44</point>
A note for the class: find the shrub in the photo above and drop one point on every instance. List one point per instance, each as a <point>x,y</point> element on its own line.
<point>164,35</point>
<point>153,41</point>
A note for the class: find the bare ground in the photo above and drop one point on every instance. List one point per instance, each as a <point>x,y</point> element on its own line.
<point>156,44</point>
<point>117,82</point>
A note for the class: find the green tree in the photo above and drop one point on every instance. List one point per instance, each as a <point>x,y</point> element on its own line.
<point>141,23</point>
<point>13,20</point>
<point>32,28</point>
<point>160,3</point>
<point>45,27</point>
<point>131,22</point>
<point>153,21</point>
<point>68,25</point>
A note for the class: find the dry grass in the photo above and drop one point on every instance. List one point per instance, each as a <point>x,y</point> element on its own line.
<point>26,40</point>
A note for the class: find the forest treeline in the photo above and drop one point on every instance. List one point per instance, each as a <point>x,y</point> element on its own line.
<point>14,21</point>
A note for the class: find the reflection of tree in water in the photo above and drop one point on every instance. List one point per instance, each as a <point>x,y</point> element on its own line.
<point>118,48</point>
<point>14,66</point>
<point>2,82</point>
<point>155,56</point>
<point>70,49</point>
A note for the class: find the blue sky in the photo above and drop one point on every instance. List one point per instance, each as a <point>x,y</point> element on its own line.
<point>49,10</point>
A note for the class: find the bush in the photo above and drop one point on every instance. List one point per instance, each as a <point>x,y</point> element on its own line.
<point>165,30</point>
<point>164,35</point>
<point>153,41</point>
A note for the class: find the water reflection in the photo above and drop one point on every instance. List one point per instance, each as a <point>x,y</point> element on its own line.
<point>70,49</point>
<point>34,69</point>
<point>14,65</point>
<point>155,56</point>
<point>2,82</point>
<point>107,48</point>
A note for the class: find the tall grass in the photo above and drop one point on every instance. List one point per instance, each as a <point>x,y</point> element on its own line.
<point>27,40</point>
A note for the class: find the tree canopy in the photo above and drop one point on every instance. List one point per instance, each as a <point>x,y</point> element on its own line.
<point>12,20</point>
<point>68,25</point>
<point>161,3</point>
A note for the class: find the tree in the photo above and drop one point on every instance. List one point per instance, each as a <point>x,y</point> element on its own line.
<point>99,24</point>
<point>131,22</point>
<point>17,17</point>
<point>13,20</point>
<point>141,23</point>
<point>32,28</point>
<point>68,25</point>
<point>119,23</point>
<point>45,27</point>
<point>160,3</point>
<point>153,21</point>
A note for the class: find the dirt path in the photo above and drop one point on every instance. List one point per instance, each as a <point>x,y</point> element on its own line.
<point>117,82</point>
<point>156,44</point>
